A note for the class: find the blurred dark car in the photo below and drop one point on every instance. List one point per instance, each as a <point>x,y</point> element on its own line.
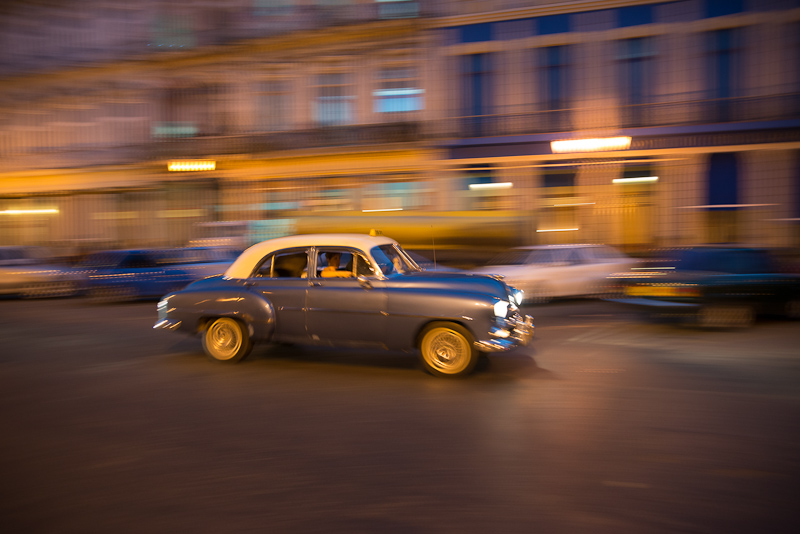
<point>31,272</point>
<point>713,286</point>
<point>136,274</point>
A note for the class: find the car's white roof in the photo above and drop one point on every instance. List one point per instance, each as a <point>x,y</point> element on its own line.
<point>244,264</point>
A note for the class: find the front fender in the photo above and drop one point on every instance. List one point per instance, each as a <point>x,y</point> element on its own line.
<point>192,310</point>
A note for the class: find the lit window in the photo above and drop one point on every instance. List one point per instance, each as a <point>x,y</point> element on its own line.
<point>398,91</point>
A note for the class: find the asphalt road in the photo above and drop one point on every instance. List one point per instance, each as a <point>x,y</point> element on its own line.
<point>605,424</point>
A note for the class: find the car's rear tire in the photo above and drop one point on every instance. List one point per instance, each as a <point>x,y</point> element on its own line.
<point>447,349</point>
<point>226,340</point>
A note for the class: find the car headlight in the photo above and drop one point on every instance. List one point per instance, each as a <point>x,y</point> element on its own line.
<point>501,308</point>
<point>518,295</point>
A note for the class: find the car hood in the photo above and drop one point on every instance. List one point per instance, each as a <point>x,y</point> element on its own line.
<point>461,281</point>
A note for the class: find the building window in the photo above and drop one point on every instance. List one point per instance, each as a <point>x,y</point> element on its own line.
<point>634,15</point>
<point>475,33</point>
<point>485,191</point>
<point>397,9</point>
<point>636,77</point>
<point>394,196</point>
<point>554,70</point>
<point>266,8</point>
<point>558,218</point>
<point>272,106</point>
<point>398,91</point>
<point>172,32</point>
<point>187,112</point>
<point>723,198</point>
<point>476,94</point>
<point>553,24</point>
<point>720,8</point>
<point>334,105</point>
<point>723,70</point>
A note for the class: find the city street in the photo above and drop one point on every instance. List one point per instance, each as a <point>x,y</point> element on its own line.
<point>606,423</point>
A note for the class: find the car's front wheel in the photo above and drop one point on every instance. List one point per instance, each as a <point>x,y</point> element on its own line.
<point>447,349</point>
<point>226,340</point>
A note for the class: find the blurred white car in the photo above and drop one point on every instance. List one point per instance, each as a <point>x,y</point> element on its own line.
<point>545,272</point>
<point>27,272</point>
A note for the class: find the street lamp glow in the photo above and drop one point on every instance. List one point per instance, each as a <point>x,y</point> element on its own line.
<point>590,145</point>
<point>558,230</point>
<point>181,166</point>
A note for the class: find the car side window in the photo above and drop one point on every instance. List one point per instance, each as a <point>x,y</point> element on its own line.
<point>284,264</point>
<point>334,263</point>
<point>342,263</point>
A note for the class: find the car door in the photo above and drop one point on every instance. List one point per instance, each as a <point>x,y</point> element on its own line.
<point>280,278</point>
<point>346,310</point>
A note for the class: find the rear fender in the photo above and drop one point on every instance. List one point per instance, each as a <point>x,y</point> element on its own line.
<point>256,312</point>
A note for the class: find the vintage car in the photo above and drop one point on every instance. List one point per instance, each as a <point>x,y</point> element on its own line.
<point>292,290</point>
<point>712,286</point>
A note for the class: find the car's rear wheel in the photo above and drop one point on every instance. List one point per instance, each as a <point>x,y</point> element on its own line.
<point>226,340</point>
<point>447,349</point>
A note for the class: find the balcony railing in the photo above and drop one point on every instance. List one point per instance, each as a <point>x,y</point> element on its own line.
<point>520,120</point>
<point>358,135</point>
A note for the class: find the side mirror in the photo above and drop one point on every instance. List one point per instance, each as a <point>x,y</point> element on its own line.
<point>364,281</point>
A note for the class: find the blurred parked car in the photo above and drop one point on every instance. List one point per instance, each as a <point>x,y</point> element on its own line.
<point>712,286</point>
<point>348,290</point>
<point>148,273</point>
<point>545,272</point>
<point>29,272</point>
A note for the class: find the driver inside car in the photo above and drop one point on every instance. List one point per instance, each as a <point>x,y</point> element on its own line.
<point>332,270</point>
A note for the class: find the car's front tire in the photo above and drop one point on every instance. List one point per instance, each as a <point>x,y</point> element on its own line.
<point>226,340</point>
<point>447,349</point>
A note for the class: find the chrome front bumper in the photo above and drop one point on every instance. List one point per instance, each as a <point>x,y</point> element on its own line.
<point>515,333</point>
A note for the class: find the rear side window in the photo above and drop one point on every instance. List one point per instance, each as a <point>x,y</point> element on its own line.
<point>284,264</point>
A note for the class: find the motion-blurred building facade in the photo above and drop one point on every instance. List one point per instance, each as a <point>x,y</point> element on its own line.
<point>148,123</point>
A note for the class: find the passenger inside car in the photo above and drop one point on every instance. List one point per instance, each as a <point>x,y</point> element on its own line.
<point>290,266</point>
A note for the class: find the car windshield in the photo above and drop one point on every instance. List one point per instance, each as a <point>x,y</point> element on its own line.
<point>393,260</point>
